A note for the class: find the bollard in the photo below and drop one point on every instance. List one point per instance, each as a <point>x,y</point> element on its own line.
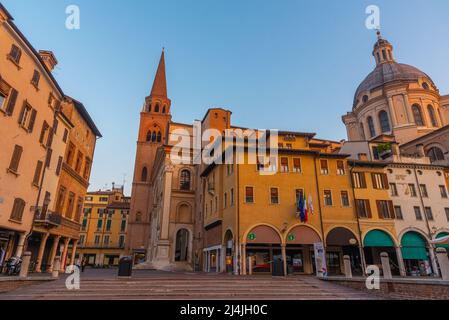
<point>56,267</point>
<point>443,261</point>
<point>386,265</point>
<point>347,264</point>
<point>25,264</point>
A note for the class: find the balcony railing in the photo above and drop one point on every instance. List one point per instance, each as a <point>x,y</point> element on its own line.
<point>48,218</point>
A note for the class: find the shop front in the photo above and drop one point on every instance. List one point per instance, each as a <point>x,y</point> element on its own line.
<point>262,250</point>
<point>376,242</point>
<point>299,250</point>
<point>342,242</point>
<point>415,254</point>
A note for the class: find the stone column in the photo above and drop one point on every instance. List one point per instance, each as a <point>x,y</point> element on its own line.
<point>433,261</point>
<point>386,265</point>
<point>362,260</point>
<point>443,261</point>
<point>64,254</point>
<point>284,259</point>
<point>243,259</point>
<point>20,245</point>
<point>402,270</point>
<point>347,264</point>
<point>223,259</point>
<point>40,253</point>
<point>74,248</point>
<point>250,265</point>
<point>25,265</point>
<point>56,267</point>
<point>392,113</point>
<point>54,250</point>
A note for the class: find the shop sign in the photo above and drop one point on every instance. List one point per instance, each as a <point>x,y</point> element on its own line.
<point>252,236</point>
<point>291,237</point>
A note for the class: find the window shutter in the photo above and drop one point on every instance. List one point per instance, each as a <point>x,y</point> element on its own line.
<point>50,139</point>
<point>58,168</point>
<point>373,178</point>
<point>32,120</point>
<point>392,214</point>
<point>15,160</point>
<point>44,129</point>
<point>363,179</point>
<point>385,179</point>
<point>48,159</point>
<point>55,126</point>
<point>11,102</point>
<point>37,173</point>
<point>368,209</point>
<point>379,209</point>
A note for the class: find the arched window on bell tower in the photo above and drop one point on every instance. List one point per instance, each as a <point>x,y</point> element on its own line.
<point>156,108</point>
<point>144,175</point>
<point>159,137</point>
<point>153,137</point>
<point>149,136</point>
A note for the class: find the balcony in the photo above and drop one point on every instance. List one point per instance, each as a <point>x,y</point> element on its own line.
<point>48,218</point>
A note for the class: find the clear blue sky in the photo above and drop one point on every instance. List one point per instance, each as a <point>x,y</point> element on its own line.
<point>276,64</point>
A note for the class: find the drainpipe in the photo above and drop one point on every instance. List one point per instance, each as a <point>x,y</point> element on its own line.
<point>237,239</point>
<point>359,228</point>
<point>319,201</point>
<point>432,247</point>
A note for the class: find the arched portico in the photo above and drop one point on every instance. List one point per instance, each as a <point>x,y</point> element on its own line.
<point>416,253</point>
<point>341,241</point>
<point>377,241</point>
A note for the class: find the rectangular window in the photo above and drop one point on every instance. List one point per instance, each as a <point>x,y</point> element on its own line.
<point>48,159</point>
<point>84,225</point>
<point>299,195</point>
<point>418,214</point>
<point>27,117</point>
<point>108,225</point>
<point>37,174</point>
<point>9,104</point>
<point>232,197</point>
<point>380,181</point>
<point>82,239</point>
<point>65,136</point>
<point>15,54</point>
<point>429,213</point>
<point>99,224</point>
<point>412,190</point>
<point>284,165</point>
<point>394,190</point>
<point>17,210</point>
<point>363,208</point>
<point>424,190</point>
<point>36,78</point>
<point>341,168</point>
<point>289,146</point>
<point>345,198</point>
<point>97,239</point>
<point>324,167</point>
<point>61,200</point>
<point>123,226</point>
<point>121,241</point>
<point>15,159</point>
<point>70,206</point>
<point>398,213</point>
<point>297,165</point>
<point>249,195</point>
<point>225,202</point>
<point>359,180</point>
<point>2,101</point>
<point>328,198</point>
<point>59,166</point>
<point>385,209</point>
<point>447,213</point>
<point>104,199</point>
<point>443,192</point>
<point>44,132</point>
<point>274,195</point>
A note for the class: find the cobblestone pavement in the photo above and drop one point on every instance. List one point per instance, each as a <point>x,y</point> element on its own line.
<point>154,285</point>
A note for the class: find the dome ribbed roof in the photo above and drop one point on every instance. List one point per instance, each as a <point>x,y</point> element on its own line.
<point>389,72</point>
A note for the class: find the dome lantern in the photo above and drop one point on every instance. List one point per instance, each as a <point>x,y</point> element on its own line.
<point>383,50</point>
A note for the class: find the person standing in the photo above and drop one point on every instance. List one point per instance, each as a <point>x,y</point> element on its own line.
<point>83,264</point>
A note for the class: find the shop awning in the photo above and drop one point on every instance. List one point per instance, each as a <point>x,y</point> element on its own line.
<point>413,247</point>
<point>377,238</point>
<point>442,240</point>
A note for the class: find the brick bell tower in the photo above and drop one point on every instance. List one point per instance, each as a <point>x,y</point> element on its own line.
<point>154,121</point>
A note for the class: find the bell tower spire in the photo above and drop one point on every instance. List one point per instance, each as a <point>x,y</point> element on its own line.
<point>158,101</point>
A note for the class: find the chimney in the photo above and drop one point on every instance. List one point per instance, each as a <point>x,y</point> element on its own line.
<point>363,156</point>
<point>420,149</point>
<point>395,149</point>
<point>49,59</point>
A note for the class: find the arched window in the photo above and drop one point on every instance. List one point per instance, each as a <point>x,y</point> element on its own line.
<point>149,136</point>
<point>153,137</point>
<point>144,175</point>
<point>433,119</point>
<point>365,99</point>
<point>384,122</point>
<point>159,137</point>
<point>156,108</point>
<point>425,86</point>
<point>164,109</point>
<point>139,216</point>
<point>417,114</point>
<point>185,180</point>
<point>149,107</point>
<point>435,154</point>
<point>182,245</point>
<point>372,130</point>
<point>362,131</point>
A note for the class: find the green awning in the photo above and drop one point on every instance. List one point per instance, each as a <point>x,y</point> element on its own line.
<point>413,247</point>
<point>377,238</point>
<point>442,235</point>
